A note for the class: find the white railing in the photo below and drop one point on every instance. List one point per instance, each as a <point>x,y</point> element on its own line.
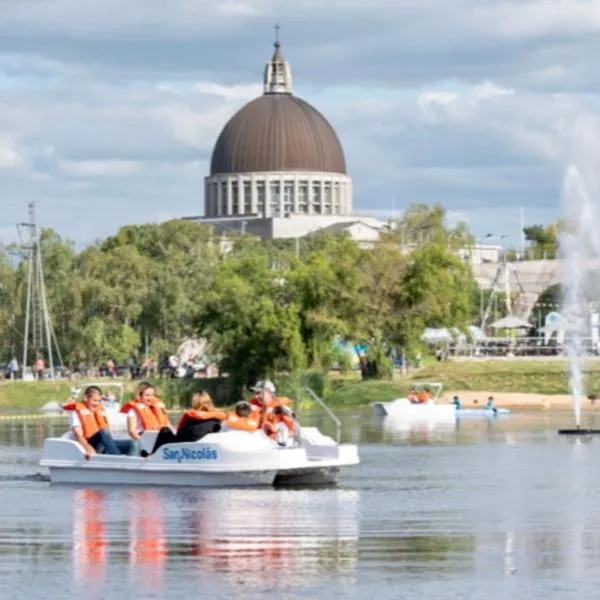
<point>519,346</point>
<point>328,411</point>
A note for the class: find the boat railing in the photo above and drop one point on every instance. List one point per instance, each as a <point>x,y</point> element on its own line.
<point>328,411</point>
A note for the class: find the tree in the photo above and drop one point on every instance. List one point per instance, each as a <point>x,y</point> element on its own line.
<point>544,239</point>
<point>253,332</point>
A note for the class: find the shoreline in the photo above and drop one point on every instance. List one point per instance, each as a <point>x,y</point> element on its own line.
<point>516,400</point>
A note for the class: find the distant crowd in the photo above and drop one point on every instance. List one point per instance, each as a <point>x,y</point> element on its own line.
<point>167,366</point>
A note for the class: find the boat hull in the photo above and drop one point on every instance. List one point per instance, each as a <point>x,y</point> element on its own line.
<point>404,409</point>
<point>229,459</point>
<point>82,475</point>
<point>482,413</point>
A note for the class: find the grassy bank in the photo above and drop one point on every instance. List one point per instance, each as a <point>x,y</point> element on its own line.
<point>497,376</point>
<point>30,396</point>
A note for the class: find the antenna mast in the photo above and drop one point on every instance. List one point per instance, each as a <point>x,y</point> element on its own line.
<point>38,326</point>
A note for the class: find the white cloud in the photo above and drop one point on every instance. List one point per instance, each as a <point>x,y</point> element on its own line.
<point>100,168</point>
<point>118,104</point>
<point>10,157</point>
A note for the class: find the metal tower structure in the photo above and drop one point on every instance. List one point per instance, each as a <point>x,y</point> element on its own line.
<point>39,334</point>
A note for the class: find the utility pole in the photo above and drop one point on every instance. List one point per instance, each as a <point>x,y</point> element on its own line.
<point>38,326</point>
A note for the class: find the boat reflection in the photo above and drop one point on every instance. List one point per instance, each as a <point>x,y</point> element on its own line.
<point>399,429</point>
<point>267,537</point>
<point>147,544</point>
<point>281,538</point>
<point>90,544</point>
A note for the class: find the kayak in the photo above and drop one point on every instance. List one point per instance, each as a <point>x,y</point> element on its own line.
<point>482,412</point>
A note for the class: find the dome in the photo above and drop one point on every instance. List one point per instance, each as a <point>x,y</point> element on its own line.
<point>277,132</point>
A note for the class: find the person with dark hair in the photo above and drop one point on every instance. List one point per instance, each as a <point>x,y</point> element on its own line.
<point>89,423</point>
<point>242,419</point>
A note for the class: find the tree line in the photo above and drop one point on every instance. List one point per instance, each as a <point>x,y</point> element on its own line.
<point>264,307</point>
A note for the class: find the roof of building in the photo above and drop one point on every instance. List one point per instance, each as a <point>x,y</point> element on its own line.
<point>278,132</point>
<point>344,226</point>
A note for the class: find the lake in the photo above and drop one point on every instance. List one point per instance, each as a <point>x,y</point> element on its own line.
<point>481,510</point>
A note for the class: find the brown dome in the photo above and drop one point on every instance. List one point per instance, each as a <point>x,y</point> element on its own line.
<point>278,132</point>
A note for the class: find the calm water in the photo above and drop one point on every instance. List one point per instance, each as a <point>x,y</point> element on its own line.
<point>482,511</point>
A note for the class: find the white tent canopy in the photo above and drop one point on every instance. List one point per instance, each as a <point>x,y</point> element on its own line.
<point>433,336</point>
<point>510,322</point>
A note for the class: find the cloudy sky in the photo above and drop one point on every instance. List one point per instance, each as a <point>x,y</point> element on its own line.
<point>109,108</point>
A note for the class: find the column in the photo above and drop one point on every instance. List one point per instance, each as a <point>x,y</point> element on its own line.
<point>322,186</point>
<point>254,193</point>
<point>229,197</point>
<point>218,199</point>
<point>267,196</point>
<point>296,194</point>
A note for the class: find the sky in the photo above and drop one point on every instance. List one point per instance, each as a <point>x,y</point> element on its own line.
<point>109,109</point>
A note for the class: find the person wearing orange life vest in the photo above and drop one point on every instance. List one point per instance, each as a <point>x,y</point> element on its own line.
<point>141,417</point>
<point>201,419</point>
<point>194,424</point>
<point>90,425</point>
<point>285,426</point>
<point>423,396</point>
<point>242,419</point>
<point>264,403</point>
<point>159,408</point>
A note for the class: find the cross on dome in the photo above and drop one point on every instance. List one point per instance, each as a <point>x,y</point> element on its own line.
<point>278,75</point>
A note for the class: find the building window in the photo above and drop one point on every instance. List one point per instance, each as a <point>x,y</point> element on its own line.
<point>303,197</point>
<point>275,191</point>
<point>223,210</point>
<point>260,198</point>
<point>328,198</point>
<point>336,198</point>
<point>288,197</point>
<point>235,198</point>
<point>316,198</point>
<point>247,198</point>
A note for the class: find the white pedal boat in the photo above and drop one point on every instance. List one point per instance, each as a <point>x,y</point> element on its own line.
<point>430,411</point>
<point>229,458</point>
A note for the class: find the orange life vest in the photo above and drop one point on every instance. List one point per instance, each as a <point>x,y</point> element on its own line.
<point>198,415</point>
<point>270,425</point>
<point>145,415</point>
<point>101,418</point>
<point>159,408</point>
<point>423,396</point>
<point>87,417</point>
<point>234,421</point>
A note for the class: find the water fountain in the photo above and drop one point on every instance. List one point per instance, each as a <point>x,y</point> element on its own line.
<point>579,244</point>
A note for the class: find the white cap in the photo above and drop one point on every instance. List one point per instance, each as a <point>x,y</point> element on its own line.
<point>266,385</point>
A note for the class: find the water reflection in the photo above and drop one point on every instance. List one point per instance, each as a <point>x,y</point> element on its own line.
<point>265,537</point>
<point>147,543</point>
<point>90,543</point>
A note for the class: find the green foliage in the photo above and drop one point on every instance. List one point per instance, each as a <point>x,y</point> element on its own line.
<point>266,309</point>
<point>544,240</point>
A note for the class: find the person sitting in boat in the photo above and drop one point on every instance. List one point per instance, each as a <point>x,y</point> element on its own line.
<point>283,426</point>
<point>242,419</point>
<point>412,396</point>
<point>423,396</point>
<point>90,425</point>
<point>141,416</point>
<point>264,402</point>
<point>457,403</point>
<point>491,403</point>
<point>201,419</point>
<point>195,423</point>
